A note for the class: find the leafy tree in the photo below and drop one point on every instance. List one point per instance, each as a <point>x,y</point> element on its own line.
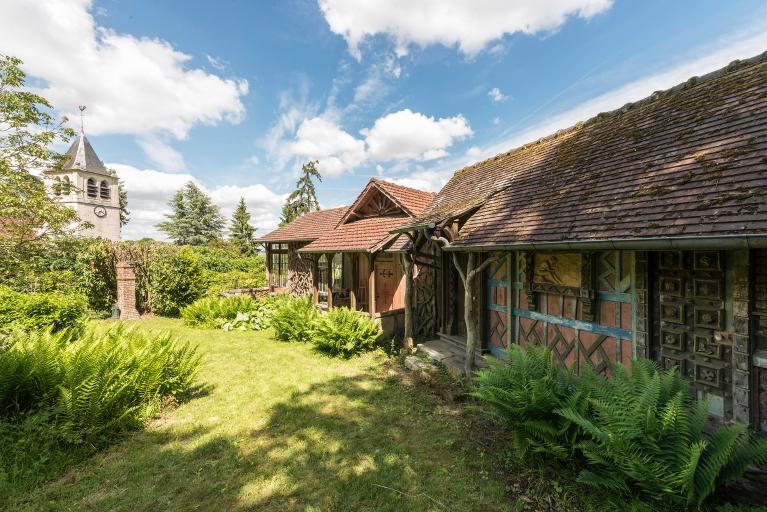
<point>195,220</point>
<point>304,198</point>
<point>241,233</point>
<point>124,212</point>
<point>29,218</point>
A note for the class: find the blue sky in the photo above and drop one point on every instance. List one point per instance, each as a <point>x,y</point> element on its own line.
<point>237,94</point>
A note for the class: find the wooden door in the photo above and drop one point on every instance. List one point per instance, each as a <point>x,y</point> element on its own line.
<point>385,281</point>
<point>688,323</point>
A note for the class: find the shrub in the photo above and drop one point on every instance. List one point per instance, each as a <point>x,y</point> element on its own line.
<point>177,280</point>
<point>208,312</point>
<point>640,430</point>
<point>345,332</point>
<point>258,318</point>
<point>60,397</point>
<point>54,310</point>
<point>224,281</point>
<point>525,392</point>
<point>293,319</point>
<point>98,382</point>
<point>646,432</point>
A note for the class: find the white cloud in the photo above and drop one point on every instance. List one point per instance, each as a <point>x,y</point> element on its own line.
<point>149,192</point>
<point>131,85</point>
<point>496,121</point>
<point>473,151</point>
<point>412,135</point>
<point>323,140</point>
<point>469,24</point>
<point>162,154</point>
<point>496,95</point>
<point>722,53</point>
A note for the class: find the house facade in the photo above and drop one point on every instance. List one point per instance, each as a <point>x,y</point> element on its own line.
<point>348,256</point>
<point>639,233</point>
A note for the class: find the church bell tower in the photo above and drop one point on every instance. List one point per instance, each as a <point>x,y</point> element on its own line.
<point>84,184</point>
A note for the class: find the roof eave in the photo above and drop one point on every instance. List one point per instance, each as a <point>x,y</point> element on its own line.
<point>750,241</point>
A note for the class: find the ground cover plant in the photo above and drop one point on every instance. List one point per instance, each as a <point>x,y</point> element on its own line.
<point>52,310</point>
<point>638,433</point>
<point>293,320</point>
<point>64,394</point>
<point>211,312</point>
<point>345,332</point>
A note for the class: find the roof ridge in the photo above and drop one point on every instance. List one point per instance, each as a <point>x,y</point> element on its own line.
<point>732,67</point>
<point>379,180</point>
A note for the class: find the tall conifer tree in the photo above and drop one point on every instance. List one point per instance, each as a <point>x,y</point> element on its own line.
<point>304,198</point>
<point>195,220</point>
<point>241,233</point>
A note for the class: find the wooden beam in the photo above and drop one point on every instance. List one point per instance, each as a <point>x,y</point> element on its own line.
<point>315,280</point>
<point>269,266</point>
<point>371,284</point>
<point>407,266</point>
<point>355,280</point>
<point>329,258</point>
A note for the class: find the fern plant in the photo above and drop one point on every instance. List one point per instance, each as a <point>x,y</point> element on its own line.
<point>525,392</point>
<point>345,332</point>
<point>293,319</point>
<point>645,432</point>
<point>98,383</point>
<point>208,312</point>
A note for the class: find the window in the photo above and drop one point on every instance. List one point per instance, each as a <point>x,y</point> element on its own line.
<point>91,187</point>
<point>338,271</point>
<point>279,265</point>
<point>66,186</point>
<point>104,190</point>
<point>57,186</point>
<point>322,274</point>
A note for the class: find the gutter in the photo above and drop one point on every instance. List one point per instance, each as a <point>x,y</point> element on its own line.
<point>757,241</point>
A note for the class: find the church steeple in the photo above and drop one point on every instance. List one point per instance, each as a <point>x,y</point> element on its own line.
<point>81,156</point>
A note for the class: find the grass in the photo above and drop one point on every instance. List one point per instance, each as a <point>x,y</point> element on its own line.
<point>276,426</point>
<point>282,428</point>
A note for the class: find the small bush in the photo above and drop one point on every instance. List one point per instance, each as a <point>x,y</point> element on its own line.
<point>525,392</point>
<point>345,332</point>
<point>177,280</point>
<point>210,312</point>
<point>293,319</point>
<point>53,310</point>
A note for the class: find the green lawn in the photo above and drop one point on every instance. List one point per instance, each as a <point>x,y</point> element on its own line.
<point>280,427</point>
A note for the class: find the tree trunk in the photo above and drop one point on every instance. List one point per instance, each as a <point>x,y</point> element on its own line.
<point>407,265</point>
<point>472,327</point>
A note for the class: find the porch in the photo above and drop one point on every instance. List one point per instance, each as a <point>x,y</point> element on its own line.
<point>450,350</point>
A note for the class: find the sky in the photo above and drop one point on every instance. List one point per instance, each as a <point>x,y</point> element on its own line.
<point>236,95</point>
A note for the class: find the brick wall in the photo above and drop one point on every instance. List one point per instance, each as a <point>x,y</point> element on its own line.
<point>126,291</point>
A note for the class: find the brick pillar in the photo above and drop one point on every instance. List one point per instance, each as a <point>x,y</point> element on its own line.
<point>741,343</point>
<point>126,291</point>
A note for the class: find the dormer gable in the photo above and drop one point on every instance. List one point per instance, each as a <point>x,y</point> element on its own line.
<point>380,199</point>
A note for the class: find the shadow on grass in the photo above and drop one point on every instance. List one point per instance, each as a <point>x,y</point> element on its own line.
<point>357,443</point>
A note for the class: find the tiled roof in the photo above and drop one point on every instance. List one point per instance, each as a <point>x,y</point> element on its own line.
<point>687,162</point>
<point>413,199</point>
<point>359,235</point>
<point>309,226</point>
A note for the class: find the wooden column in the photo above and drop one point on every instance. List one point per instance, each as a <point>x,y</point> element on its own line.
<point>329,258</point>
<point>315,279</point>
<point>372,284</point>
<point>407,265</point>
<point>355,280</point>
<point>269,266</point>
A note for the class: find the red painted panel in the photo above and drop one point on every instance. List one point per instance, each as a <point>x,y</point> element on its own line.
<point>626,319</point>
<point>607,313</point>
<point>554,304</point>
<point>626,352</point>
<point>570,307</point>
